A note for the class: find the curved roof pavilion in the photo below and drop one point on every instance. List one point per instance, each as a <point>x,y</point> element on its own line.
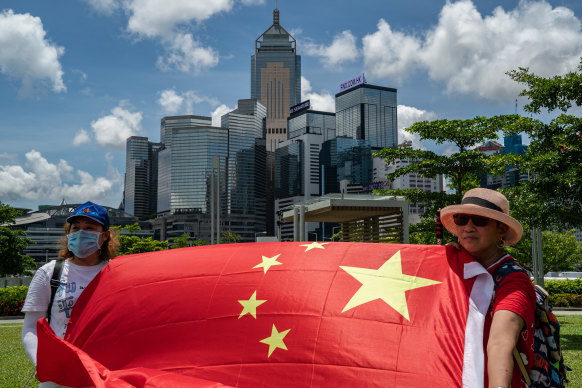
<point>363,217</point>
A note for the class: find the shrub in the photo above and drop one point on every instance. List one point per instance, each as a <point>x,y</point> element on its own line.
<point>568,286</point>
<point>12,300</point>
<point>566,300</point>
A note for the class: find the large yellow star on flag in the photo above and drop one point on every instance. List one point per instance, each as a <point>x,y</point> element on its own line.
<point>250,305</point>
<point>387,283</point>
<point>275,340</point>
<point>268,262</point>
<point>314,245</point>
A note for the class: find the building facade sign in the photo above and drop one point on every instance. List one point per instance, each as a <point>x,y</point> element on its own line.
<point>299,107</point>
<point>369,187</point>
<point>357,80</point>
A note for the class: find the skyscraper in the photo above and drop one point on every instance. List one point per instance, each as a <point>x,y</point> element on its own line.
<point>184,165</point>
<point>245,169</point>
<point>141,176</point>
<point>276,78</point>
<point>368,112</point>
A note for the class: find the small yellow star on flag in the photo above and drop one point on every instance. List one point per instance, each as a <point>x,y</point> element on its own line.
<point>268,262</point>
<point>275,340</point>
<point>314,245</point>
<point>387,283</point>
<point>250,305</point>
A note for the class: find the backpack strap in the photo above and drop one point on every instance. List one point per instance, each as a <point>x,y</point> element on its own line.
<point>55,283</point>
<point>507,267</point>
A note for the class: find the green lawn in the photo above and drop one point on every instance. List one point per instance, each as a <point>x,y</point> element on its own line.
<point>15,367</point>
<point>571,337</point>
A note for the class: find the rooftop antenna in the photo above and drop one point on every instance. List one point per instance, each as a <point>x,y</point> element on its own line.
<point>276,14</point>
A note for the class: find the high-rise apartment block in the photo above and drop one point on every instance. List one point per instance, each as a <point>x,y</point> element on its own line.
<point>276,78</point>
<point>408,181</point>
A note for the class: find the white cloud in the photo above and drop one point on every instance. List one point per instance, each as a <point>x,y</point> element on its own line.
<point>42,180</point>
<point>342,49</point>
<point>113,130</point>
<point>81,137</point>
<point>104,6</point>
<point>26,53</point>
<point>389,54</point>
<point>153,18</point>
<point>450,150</point>
<point>186,54</point>
<point>183,103</point>
<point>470,52</point>
<point>166,21</point>
<point>323,101</point>
<point>253,2</point>
<point>218,113</point>
<point>408,115</point>
<point>170,101</point>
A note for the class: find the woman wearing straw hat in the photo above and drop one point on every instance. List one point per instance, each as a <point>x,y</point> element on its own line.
<point>483,227</point>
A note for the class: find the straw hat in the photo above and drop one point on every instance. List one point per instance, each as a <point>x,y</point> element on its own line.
<point>487,203</point>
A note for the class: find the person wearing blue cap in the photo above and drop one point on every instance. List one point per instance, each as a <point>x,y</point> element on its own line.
<point>87,247</point>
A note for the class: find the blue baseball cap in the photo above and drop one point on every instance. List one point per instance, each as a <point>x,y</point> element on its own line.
<point>92,211</point>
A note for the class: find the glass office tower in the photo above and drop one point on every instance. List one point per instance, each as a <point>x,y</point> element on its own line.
<point>185,166</point>
<point>344,158</point>
<point>187,121</point>
<point>289,170</point>
<point>141,176</point>
<point>246,204</point>
<point>368,112</point>
<point>312,121</point>
<point>276,78</point>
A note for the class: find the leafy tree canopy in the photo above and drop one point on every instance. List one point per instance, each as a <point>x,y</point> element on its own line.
<point>229,238</point>
<point>12,244</point>
<point>130,244</point>
<point>185,240</point>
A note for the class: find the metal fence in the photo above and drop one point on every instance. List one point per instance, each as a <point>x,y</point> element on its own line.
<point>17,281</point>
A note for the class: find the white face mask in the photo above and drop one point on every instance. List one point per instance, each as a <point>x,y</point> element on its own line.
<point>83,243</point>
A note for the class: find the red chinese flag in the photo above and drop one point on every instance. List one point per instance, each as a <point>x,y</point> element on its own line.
<point>277,315</point>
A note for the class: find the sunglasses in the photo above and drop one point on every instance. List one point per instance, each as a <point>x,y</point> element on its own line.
<point>463,219</point>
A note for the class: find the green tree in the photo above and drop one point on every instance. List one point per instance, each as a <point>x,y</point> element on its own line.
<point>130,244</point>
<point>185,240</point>
<point>460,168</point>
<point>561,251</point>
<point>229,238</point>
<point>12,245</point>
<point>554,157</point>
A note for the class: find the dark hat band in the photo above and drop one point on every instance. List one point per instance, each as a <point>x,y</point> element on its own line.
<point>481,202</point>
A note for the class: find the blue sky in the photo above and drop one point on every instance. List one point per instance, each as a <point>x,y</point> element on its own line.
<point>77,77</point>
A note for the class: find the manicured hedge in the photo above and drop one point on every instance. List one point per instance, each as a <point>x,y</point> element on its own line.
<point>566,300</point>
<point>567,286</point>
<point>12,300</point>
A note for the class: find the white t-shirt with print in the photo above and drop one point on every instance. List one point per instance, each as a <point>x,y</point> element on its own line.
<point>74,279</point>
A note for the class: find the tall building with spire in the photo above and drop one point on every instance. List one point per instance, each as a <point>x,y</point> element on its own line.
<point>276,78</point>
